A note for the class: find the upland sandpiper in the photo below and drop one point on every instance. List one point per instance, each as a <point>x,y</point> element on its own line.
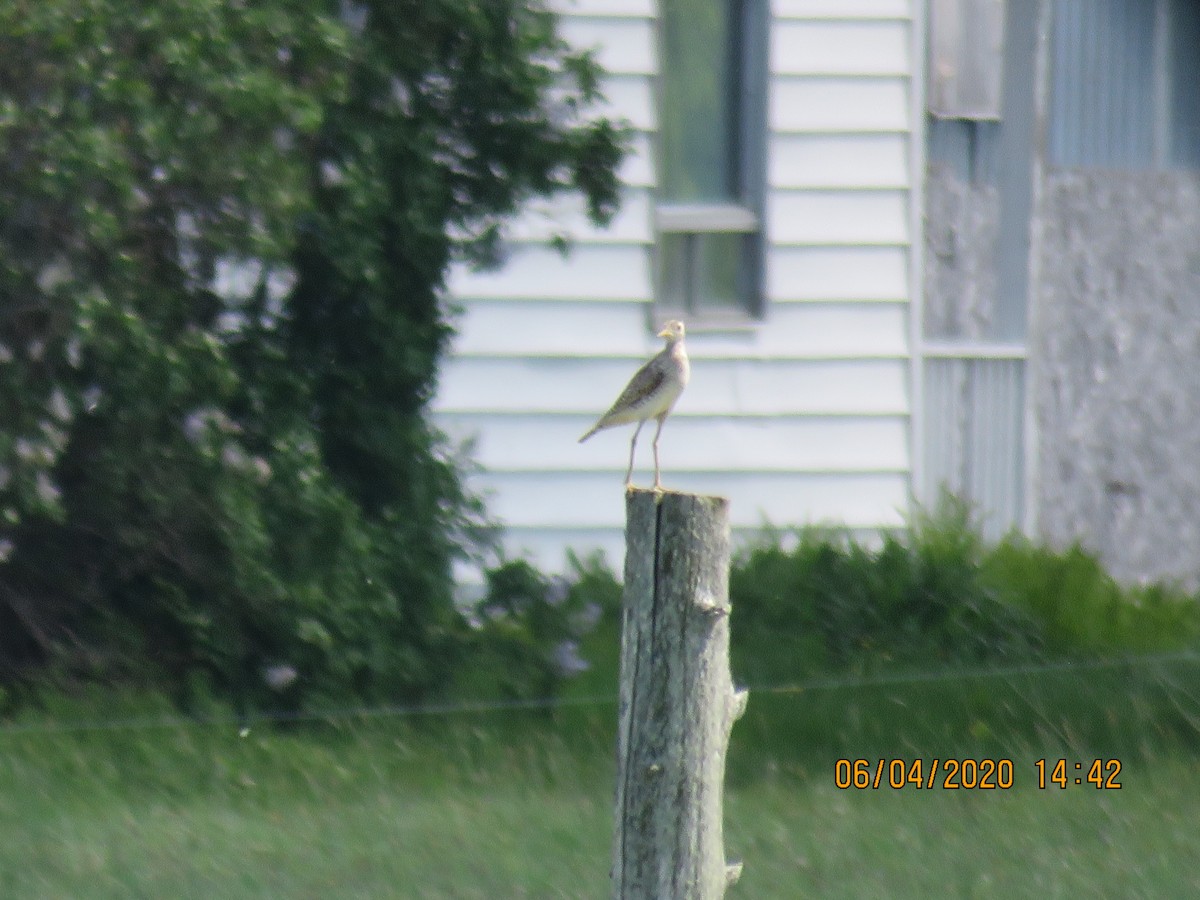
<point>650,394</point>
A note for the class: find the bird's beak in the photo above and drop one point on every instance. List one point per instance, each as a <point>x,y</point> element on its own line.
<point>665,333</point>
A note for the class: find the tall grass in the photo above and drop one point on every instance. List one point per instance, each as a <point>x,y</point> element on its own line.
<point>519,805</point>
<point>930,645</point>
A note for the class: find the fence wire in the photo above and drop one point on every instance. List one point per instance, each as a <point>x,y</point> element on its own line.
<point>810,685</point>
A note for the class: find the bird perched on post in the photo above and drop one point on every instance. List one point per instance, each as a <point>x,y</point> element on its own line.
<point>650,394</point>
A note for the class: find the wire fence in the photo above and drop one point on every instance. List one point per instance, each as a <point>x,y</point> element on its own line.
<point>468,707</point>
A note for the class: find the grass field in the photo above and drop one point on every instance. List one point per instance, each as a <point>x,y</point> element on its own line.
<point>519,805</point>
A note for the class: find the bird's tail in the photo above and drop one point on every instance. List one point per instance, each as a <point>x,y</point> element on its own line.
<point>601,424</point>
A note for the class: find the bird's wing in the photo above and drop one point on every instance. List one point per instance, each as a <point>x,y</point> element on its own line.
<point>648,379</point>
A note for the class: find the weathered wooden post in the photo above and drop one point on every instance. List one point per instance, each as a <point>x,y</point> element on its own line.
<point>677,702</point>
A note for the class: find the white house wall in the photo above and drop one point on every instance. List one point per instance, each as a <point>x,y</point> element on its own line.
<point>801,419</point>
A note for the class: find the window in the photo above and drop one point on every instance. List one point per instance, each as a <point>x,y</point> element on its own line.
<point>711,102</point>
<point>1124,92</point>
<point>966,57</point>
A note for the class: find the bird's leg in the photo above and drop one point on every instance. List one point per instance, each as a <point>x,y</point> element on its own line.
<point>657,476</point>
<point>632,448</point>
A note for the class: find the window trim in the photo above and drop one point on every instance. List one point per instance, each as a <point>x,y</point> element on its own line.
<point>705,218</point>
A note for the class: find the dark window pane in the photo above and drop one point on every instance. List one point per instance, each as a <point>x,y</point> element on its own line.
<point>698,114</point>
<point>705,272</point>
<point>719,271</point>
<point>675,255</point>
<point>704,65</point>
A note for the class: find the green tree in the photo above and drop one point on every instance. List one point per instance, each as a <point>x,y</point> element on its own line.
<point>224,228</point>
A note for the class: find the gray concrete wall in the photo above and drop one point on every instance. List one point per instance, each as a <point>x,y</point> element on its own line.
<point>1116,349</point>
<point>961,222</point>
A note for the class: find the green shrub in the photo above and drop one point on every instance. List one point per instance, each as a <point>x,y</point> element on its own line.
<point>530,631</point>
<point>936,595</point>
<point>1081,607</point>
<point>833,605</point>
<point>227,228</point>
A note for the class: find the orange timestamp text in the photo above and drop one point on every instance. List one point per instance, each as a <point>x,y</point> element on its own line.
<point>926,774</point>
<point>1102,774</point>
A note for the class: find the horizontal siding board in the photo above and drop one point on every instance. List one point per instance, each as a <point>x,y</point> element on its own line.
<point>628,97</point>
<point>803,47</point>
<point>605,8</point>
<point>838,161</point>
<point>547,548</point>
<point>597,500</point>
<point>838,217</point>
<point>840,9</point>
<point>795,331</point>
<point>718,387</point>
<point>837,273</point>
<point>622,46</point>
<point>566,215</point>
<point>637,168</point>
<point>588,272</point>
<point>839,104</point>
<point>522,443</point>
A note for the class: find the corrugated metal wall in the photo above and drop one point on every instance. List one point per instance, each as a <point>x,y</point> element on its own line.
<point>1124,87</point>
<point>1102,83</point>
<point>978,452</point>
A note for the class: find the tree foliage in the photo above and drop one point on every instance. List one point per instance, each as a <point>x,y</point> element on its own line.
<point>224,227</point>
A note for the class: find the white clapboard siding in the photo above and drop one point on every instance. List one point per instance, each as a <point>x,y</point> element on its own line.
<point>838,104</point>
<point>628,97</point>
<point>838,161</point>
<point>806,47</point>
<point>566,215</point>
<point>541,443</point>
<point>837,273</point>
<point>605,8</point>
<point>637,169</point>
<point>587,272</point>
<point>719,387</point>
<point>798,331</point>
<point>838,217</point>
<point>802,418</point>
<point>622,46</point>
<point>839,9</point>
<point>547,548</point>
<point>596,499</point>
